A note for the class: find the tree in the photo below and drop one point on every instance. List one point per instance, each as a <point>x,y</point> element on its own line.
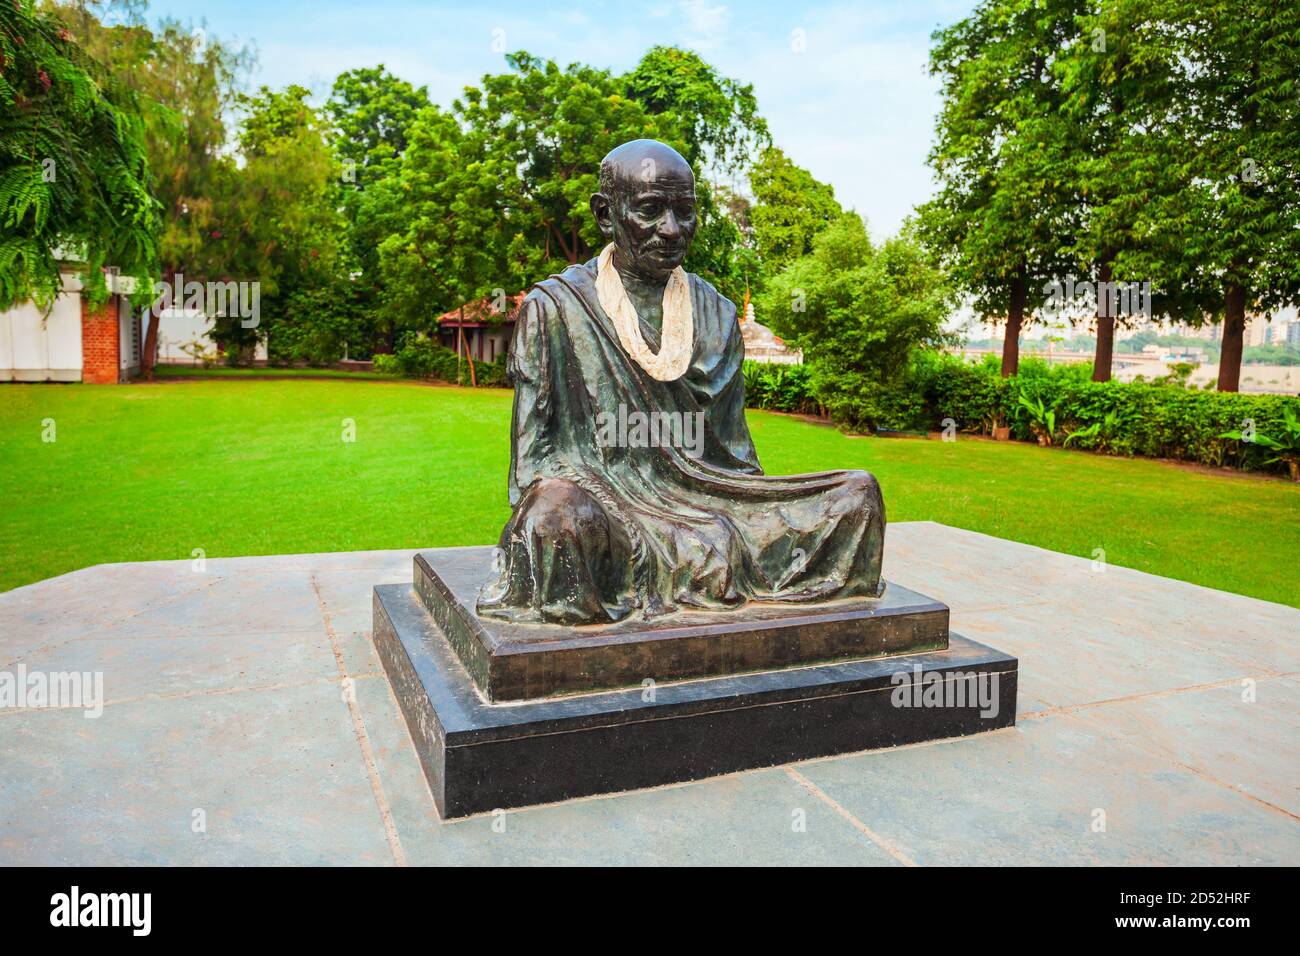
<point>858,311</point>
<point>718,117</point>
<point>1005,210</point>
<point>790,209</point>
<point>1234,222</point>
<point>721,127</point>
<point>372,113</point>
<point>186,83</point>
<point>451,249</point>
<point>74,173</point>
<point>1108,86</point>
<point>280,219</point>
<point>544,131</point>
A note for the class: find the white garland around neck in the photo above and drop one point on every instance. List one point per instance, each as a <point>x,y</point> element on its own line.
<point>677,337</point>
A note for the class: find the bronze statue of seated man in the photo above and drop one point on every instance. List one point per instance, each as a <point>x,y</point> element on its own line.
<point>634,485</point>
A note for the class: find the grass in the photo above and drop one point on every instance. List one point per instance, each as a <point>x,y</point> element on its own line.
<point>268,371</point>
<point>237,467</point>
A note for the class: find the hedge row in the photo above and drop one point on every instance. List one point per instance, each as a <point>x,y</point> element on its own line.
<point>420,357</point>
<point>1153,419</point>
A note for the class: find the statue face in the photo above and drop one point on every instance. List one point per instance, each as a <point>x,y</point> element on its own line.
<point>649,213</point>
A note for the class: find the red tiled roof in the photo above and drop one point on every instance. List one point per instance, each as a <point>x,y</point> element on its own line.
<point>481,310</point>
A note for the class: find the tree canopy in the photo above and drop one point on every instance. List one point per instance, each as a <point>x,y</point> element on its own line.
<point>1126,141</point>
<point>74,174</point>
<point>790,209</point>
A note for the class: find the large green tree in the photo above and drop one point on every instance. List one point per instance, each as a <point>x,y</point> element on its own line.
<point>1231,142</point>
<point>545,130</point>
<point>74,168</point>
<point>280,221</point>
<point>719,123</point>
<point>790,209</point>
<point>857,311</point>
<point>187,82</point>
<point>718,116</point>
<point>1006,209</point>
<point>372,113</point>
<point>452,247</point>
<point>1106,84</point>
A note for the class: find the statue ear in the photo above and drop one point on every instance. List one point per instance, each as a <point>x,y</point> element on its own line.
<point>604,213</point>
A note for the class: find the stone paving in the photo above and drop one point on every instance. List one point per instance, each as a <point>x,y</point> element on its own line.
<point>247,721</point>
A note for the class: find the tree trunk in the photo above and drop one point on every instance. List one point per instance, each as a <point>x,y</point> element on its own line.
<point>1015,319</point>
<point>473,380</point>
<point>1106,307</point>
<point>149,352</point>
<point>1234,334</point>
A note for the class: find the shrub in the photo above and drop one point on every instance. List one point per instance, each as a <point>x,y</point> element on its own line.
<point>319,325</point>
<point>418,356</point>
<point>781,388</point>
<point>1157,420</point>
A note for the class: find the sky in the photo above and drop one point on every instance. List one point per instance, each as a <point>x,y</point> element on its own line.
<point>848,97</point>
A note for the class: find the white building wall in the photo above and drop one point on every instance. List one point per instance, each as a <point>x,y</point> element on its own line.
<point>188,327</point>
<point>35,347</point>
<point>179,329</point>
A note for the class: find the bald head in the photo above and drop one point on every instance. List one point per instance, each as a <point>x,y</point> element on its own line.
<point>642,161</point>
<point>646,206</point>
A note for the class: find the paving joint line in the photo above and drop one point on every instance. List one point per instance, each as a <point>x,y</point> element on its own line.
<point>885,844</point>
<point>359,728</point>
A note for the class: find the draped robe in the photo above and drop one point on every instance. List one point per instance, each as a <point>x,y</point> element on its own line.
<point>600,532</point>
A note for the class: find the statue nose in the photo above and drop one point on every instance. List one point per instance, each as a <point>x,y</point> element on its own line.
<point>669,228</point>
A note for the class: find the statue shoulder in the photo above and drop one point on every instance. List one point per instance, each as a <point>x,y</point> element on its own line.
<point>542,300</point>
<point>555,290</point>
<point>715,302</point>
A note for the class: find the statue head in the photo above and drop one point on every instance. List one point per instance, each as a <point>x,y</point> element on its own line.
<point>646,206</point>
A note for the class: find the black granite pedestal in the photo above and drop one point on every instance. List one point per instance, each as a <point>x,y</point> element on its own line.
<point>480,755</point>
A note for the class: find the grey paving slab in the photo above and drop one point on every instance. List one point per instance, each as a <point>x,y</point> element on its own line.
<point>1243,734</point>
<point>1071,658</point>
<point>176,665</point>
<point>345,596</point>
<point>975,570</point>
<point>1034,794</point>
<point>276,774</point>
<point>251,691</point>
<point>251,598</point>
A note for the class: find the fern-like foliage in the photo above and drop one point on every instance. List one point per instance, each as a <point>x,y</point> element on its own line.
<point>74,177</point>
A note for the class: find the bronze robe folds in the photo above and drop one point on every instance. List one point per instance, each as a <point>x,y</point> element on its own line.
<point>599,533</point>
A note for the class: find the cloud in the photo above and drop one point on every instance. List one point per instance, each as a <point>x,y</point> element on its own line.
<point>706,23</point>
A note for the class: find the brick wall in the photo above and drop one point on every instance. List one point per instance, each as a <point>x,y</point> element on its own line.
<point>99,343</point>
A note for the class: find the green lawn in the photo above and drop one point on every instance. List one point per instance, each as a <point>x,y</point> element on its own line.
<point>241,467</point>
<point>268,371</point>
